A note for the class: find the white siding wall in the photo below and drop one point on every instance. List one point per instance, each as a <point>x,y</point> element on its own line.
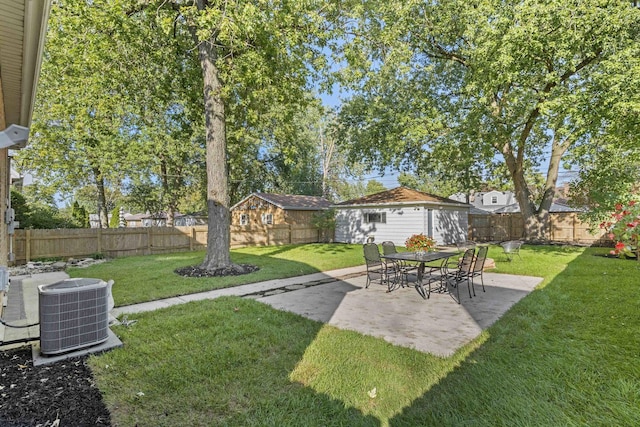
<point>350,227</point>
<point>448,226</point>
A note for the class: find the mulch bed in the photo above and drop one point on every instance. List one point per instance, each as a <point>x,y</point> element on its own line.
<point>232,270</point>
<point>61,393</point>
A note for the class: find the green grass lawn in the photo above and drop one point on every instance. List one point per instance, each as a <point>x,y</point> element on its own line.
<point>567,355</point>
<point>146,278</point>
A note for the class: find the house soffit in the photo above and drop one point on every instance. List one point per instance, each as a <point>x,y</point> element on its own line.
<point>22,33</point>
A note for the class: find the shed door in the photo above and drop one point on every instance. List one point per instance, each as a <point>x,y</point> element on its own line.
<point>430,222</point>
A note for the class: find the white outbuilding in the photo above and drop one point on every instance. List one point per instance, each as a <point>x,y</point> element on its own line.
<point>397,214</point>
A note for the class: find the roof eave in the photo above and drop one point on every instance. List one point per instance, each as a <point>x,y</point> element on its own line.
<point>36,16</point>
<point>412,203</point>
<point>307,208</point>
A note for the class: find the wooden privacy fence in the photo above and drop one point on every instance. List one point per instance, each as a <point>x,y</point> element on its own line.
<point>29,245</point>
<point>563,227</point>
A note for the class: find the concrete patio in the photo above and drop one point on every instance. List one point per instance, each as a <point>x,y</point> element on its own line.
<point>438,325</point>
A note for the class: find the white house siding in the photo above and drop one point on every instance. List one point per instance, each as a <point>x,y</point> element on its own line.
<point>450,225</point>
<point>447,225</point>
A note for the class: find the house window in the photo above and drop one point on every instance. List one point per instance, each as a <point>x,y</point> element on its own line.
<point>380,217</point>
<point>244,219</point>
<point>267,218</point>
<point>494,200</point>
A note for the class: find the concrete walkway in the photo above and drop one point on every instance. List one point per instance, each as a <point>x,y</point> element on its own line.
<point>438,325</point>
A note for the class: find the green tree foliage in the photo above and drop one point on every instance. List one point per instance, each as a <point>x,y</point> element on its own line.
<point>116,100</point>
<point>374,186</point>
<point>325,222</point>
<point>452,87</point>
<point>166,119</point>
<point>306,159</point>
<point>349,190</point>
<point>609,175</point>
<point>429,184</point>
<point>253,56</point>
<point>86,196</point>
<point>78,131</point>
<point>21,209</point>
<point>34,213</point>
<point>145,197</point>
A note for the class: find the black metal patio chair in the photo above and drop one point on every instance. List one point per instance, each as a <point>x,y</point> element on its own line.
<point>461,272</point>
<point>478,267</point>
<point>377,268</point>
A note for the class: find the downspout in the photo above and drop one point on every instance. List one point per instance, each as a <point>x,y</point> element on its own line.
<point>425,220</point>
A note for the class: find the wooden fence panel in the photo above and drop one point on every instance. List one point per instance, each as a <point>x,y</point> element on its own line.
<point>169,239</point>
<point>116,242</point>
<point>501,227</point>
<point>55,243</point>
<point>278,234</point>
<point>242,236</point>
<point>304,234</point>
<point>480,228</point>
<point>563,227</point>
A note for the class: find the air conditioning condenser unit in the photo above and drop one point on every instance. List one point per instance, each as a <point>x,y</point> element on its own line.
<point>74,313</point>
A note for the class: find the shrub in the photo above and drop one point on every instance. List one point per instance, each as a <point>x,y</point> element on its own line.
<point>624,229</point>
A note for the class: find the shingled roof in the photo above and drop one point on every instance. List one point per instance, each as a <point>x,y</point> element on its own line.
<point>292,201</point>
<point>400,195</point>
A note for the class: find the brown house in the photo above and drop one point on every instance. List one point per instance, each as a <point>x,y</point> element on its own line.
<point>277,209</point>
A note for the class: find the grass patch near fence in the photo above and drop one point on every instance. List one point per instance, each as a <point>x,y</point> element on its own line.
<point>564,355</point>
<point>147,278</point>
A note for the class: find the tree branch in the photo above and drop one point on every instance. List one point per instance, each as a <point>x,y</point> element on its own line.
<point>535,113</point>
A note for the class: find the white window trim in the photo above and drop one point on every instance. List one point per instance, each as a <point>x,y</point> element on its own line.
<point>368,217</point>
<point>267,218</point>
<point>244,219</point>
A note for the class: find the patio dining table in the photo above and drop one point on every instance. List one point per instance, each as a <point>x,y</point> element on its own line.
<point>422,259</point>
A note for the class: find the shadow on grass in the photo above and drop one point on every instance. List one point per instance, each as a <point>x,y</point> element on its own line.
<point>321,248</point>
<point>224,362</point>
<point>561,356</point>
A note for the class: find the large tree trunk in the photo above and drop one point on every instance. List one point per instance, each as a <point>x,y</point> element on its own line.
<point>168,193</point>
<point>103,214</point>
<point>218,239</point>
<point>536,221</point>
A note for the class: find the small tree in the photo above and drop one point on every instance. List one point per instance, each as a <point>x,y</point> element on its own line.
<point>114,221</point>
<point>325,222</point>
<point>80,215</point>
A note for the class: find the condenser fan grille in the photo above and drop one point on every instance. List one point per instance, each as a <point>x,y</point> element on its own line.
<point>74,313</point>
